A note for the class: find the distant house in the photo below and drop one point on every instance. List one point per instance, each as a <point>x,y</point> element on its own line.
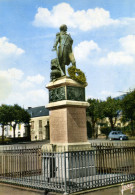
<point>20,131</point>
<point>39,124</point>
<point>5,130</point>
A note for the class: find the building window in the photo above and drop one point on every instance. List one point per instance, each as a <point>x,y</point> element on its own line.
<point>32,125</point>
<point>19,126</point>
<point>40,123</point>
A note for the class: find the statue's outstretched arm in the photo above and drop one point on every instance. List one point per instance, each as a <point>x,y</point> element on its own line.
<point>56,41</point>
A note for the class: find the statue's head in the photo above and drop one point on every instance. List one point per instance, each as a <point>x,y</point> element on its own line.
<point>63,27</point>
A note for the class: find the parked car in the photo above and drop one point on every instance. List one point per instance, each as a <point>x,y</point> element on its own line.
<point>117,135</point>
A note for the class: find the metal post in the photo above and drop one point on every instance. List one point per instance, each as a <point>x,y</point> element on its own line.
<point>65,182</point>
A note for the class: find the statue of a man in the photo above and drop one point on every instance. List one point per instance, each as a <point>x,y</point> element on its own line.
<point>64,52</point>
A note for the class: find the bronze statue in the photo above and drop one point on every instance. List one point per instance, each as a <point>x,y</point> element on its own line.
<point>63,46</point>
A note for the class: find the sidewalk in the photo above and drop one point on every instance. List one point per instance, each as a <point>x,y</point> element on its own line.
<point>6,189</point>
<point>13,190</point>
<point>111,191</point>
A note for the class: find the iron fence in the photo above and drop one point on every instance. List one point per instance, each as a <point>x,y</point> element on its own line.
<point>67,172</point>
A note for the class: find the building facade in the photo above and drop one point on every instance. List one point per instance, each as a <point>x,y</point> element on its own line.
<point>20,131</point>
<point>39,124</point>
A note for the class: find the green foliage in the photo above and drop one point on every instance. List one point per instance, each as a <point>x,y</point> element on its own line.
<point>89,130</point>
<point>13,115</point>
<point>103,109</point>
<point>127,129</point>
<point>106,131</point>
<point>6,140</point>
<point>5,117</point>
<point>5,110</point>
<point>111,109</point>
<point>76,74</point>
<point>128,109</point>
<point>20,115</point>
<point>95,113</point>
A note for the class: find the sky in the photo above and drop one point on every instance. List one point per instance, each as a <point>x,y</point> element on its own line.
<point>104,46</point>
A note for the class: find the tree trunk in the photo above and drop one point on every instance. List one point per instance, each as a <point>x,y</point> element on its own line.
<point>93,130</point>
<point>132,127</point>
<point>14,127</point>
<point>2,133</point>
<point>112,124</point>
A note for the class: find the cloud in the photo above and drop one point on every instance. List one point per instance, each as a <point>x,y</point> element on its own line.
<point>9,53</point>
<point>8,49</point>
<point>29,98</point>
<point>14,73</point>
<point>37,97</point>
<point>84,49</point>
<point>7,79</point>
<point>127,21</point>
<point>63,13</point>
<point>36,79</point>
<point>128,44</point>
<point>15,88</point>
<point>32,80</point>
<point>5,87</point>
<point>124,55</point>
<point>116,58</point>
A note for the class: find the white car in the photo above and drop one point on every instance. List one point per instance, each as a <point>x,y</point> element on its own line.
<point>117,135</point>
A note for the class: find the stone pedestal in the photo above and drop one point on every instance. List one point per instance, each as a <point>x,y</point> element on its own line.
<point>67,107</point>
<point>68,154</point>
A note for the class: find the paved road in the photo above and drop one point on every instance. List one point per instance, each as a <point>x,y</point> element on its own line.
<point>115,142</point>
<point>23,144</point>
<point>34,143</point>
<point>94,142</point>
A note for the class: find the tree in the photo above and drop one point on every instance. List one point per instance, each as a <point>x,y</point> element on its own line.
<point>128,109</point>
<point>94,111</point>
<point>105,130</point>
<point>19,115</point>
<point>89,130</point>
<point>13,115</point>
<point>111,109</point>
<point>5,117</point>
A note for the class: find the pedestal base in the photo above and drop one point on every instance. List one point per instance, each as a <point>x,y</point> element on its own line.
<point>68,147</point>
<point>68,161</point>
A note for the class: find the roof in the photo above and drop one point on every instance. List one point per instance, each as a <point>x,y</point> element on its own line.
<point>38,111</point>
